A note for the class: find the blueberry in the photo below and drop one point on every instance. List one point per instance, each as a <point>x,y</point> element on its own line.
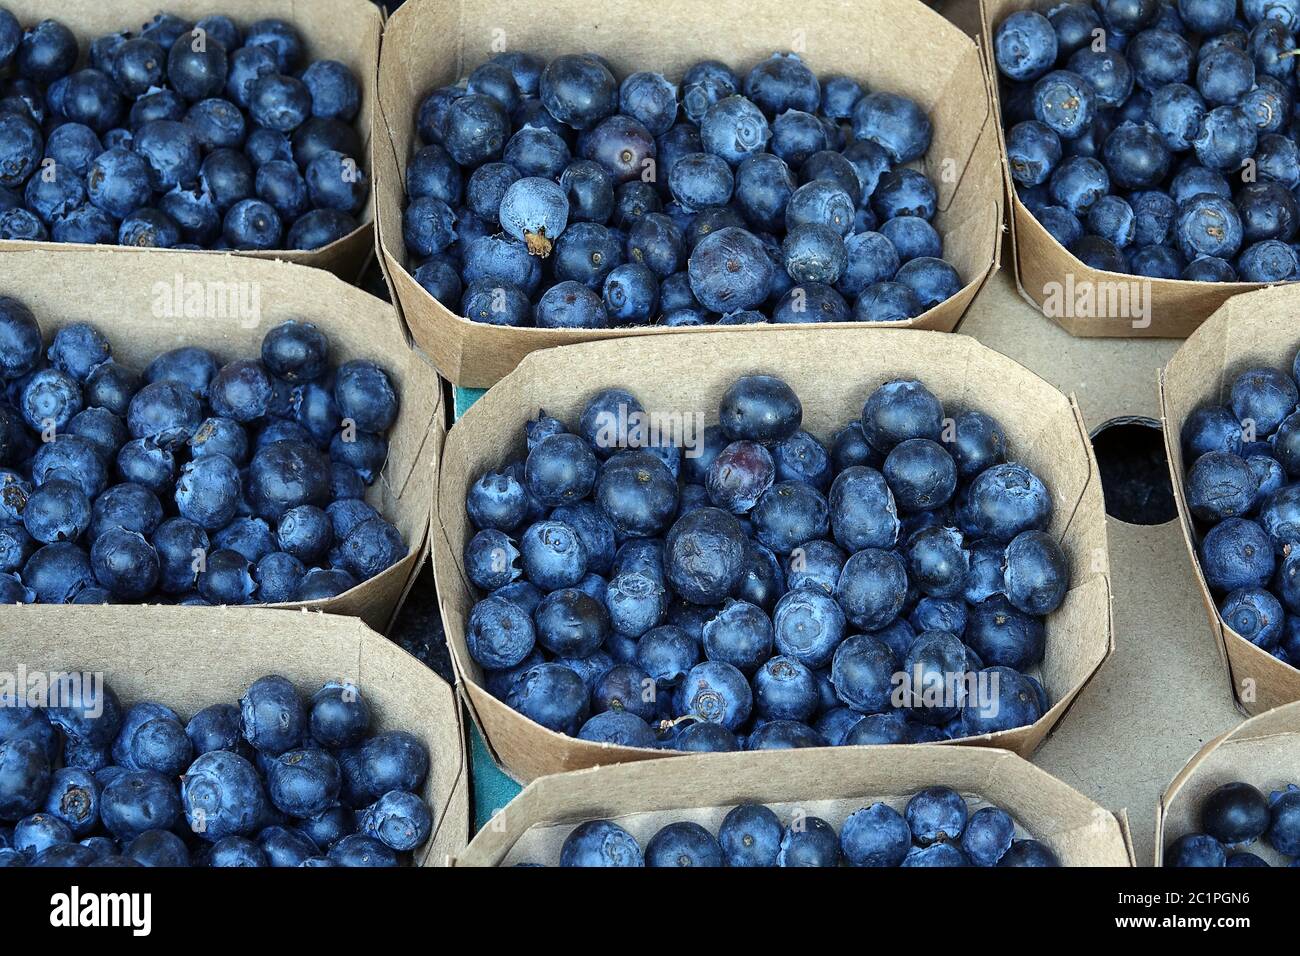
<point>1002,634</point>
<point>936,814</point>
<point>400,820</point>
<point>1025,45</point>
<point>1033,150</point>
<point>1255,614</point>
<point>228,177</point>
<point>1235,814</point>
<point>875,836</point>
<point>1159,57</point>
<point>701,180</point>
<point>336,181</point>
<point>1037,573</point>
<point>1237,553</point>
<point>253,224</point>
<point>178,544</point>
<point>1227,137</point>
<point>47,51</point>
<point>138,801</point>
<point>125,563</point>
<point>214,728</point>
<point>1015,703</point>
<point>1196,850</point>
<point>1108,73</point>
<point>499,634</point>
<point>1284,826</point>
<point>553,696</point>
<point>1221,485</point>
<point>620,145</point>
<point>24,778</point>
<point>1064,102</point>
<point>20,339</point>
<point>897,124</point>
<point>578,90</point>
<point>987,836</point>
<point>599,843</point>
<point>57,572</point>
<point>171,151</point>
<point>1268,211</point>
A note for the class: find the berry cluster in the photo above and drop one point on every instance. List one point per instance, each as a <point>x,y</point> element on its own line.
<point>756,589</point>
<point>551,195</point>
<point>1242,490</point>
<point>194,482</point>
<point>182,135</point>
<point>1155,138</point>
<point>936,829</point>
<point>1232,818</point>
<point>273,781</point>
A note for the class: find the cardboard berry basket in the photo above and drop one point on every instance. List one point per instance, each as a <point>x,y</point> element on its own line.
<point>1263,752</point>
<point>190,661</point>
<point>343,30</point>
<point>146,305</point>
<point>1061,285</point>
<point>1251,330</point>
<point>834,374</point>
<point>641,798</point>
<point>896,45</point>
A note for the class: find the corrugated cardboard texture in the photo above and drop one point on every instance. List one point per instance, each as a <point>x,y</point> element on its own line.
<point>343,30</point>
<point>829,784</point>
<point>189,661</point>
<point>1251,330</point>
<point>133,302</point>
<point>1177,306</point>
<point>891,44</point>
<point>834,375</point>
<point>1263,752</point>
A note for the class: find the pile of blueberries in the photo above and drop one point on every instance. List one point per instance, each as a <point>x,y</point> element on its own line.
<point>1158,138</point>
<point>1242,490</point>
<point>1232,818</point>
<point>551,195</point>
<point>181,135</point>
<point>273,781</point>
<point>194,482</point>
<point>935,829</point>
<point>760,590</point>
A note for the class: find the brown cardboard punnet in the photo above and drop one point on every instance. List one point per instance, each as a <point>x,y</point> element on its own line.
<point>1177,306</point>
<point>1263,752</point>
<point>146,305</point>
<point>834,375</point>
<point>189,661</point>
<point>343,30</point>
<point>890,44</point>
<point>641,798</point>
<point>1251,330</point>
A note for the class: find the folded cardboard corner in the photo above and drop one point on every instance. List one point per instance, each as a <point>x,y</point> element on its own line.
<point>1263,752</point>
<point>345,30</point>
<point>1257,329</point>
<point>891,44</point>
<point>1060,285</point>
<point>829,784</point>
<point>190,661</point>
<point>834,374</point>
<point>146,305</point>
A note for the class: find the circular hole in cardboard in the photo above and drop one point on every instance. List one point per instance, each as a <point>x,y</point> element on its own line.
<point>1134,470</point>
